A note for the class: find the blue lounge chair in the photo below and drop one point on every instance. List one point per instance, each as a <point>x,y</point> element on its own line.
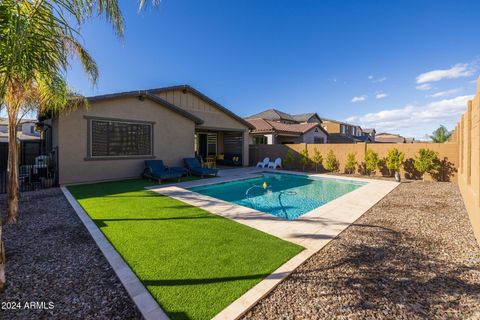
<point>195,167</point>
<point>156,170</point>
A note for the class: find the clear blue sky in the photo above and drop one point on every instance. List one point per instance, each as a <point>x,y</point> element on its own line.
<point>357,60</point>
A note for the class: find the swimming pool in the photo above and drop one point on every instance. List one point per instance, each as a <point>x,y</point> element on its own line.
<point>284,195</point>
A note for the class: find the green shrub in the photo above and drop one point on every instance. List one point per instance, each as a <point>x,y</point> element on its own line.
<point>351,163</point>
<point>288,159</point>
<point>426,161</point>
<point>371,161</point>
<point>331,163</point>
<point>304,159</point>
<point>394,160</point>
<point>317,158</point>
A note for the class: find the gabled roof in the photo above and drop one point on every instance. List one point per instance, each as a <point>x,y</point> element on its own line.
<point>204,98</point>
<point>389,138</point>
<point>304,117</point>
<point>4,121</point>
<point>146,94</point>
<point>340,122</point>
<point>341,138</point>
<point>369,130</point>
<point>150,94</point>
<point>264,126</point>
<point>273,115</point>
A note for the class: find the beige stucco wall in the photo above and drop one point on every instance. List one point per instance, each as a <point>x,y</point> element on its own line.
<point>468,137</point>
<point>309,137</point>
<point>447,151</point>
<point>331,127</point>
<point>214,118</point>
<point>173,137</point>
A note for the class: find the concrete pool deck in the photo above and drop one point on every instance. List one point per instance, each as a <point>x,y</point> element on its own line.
<point>312,230</point>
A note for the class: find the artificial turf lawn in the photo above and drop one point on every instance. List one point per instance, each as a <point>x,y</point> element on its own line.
<point>193,263</point>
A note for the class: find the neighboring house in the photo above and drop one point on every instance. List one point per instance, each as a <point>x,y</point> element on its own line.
<point>276,127</point>
<point>26,130</point>
<point>29,139</point>
<point>112,138</point>
<point>385,137</point>
<point>370,132</point>
<point>342,132</point>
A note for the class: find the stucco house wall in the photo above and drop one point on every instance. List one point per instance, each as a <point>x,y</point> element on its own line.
<point>213,117</point>
<point>309,137</point>
<point>173,136</point>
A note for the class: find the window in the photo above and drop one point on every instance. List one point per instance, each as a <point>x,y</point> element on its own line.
<point>260,140</point>
<point>318,140</point>
<point>120,138</point>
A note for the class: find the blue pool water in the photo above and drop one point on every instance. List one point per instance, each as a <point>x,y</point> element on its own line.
<point>287,195</point>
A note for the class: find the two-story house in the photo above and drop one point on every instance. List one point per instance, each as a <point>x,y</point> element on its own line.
<point>276,127</point>
<point>26,130</point>
<point>29,138</point>
<point>343,132</point>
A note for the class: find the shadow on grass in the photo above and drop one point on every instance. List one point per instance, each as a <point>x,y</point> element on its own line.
<point>102,222</point>
<point>189,282</point>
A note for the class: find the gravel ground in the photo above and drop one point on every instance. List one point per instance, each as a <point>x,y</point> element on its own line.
<point>52,258</point>
<point>412,256</point>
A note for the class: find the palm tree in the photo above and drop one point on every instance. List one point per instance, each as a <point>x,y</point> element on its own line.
<point>440,135</point>
<point>38,38</point>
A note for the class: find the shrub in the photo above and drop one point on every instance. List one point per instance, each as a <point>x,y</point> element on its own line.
<point>331,163</point>
<point>371,161</point>
<point>394,159</point>
<point>317,158</point>
<point>304,158</point>
<point>351,163</point>
<point>426,161</point>
<point>288,159</point>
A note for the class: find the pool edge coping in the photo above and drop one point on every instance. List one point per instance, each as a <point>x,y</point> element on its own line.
<point>250,298</point>
<point>144,301</point>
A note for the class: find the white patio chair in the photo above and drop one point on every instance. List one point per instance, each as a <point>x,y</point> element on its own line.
<point>276,164</point>
<point>264,163</point>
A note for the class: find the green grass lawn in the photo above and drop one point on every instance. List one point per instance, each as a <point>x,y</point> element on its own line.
<point>194,263</point>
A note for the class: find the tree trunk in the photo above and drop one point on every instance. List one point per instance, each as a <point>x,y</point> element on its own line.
<point>2,260</point>
<point>12,191</point>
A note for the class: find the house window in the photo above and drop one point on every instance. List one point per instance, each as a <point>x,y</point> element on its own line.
<point>343,128</point>
<point>260,140</point>
<point>318,140</point>
<point>120,138</point>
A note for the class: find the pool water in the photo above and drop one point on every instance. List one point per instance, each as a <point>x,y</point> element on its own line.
<point>286,195</point>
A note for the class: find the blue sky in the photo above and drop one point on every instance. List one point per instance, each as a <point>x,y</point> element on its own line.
<point>398,66</point>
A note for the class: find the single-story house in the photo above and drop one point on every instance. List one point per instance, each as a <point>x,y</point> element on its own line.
<point>276,127</point>
<point>111,138</point>
<point>385,137</point>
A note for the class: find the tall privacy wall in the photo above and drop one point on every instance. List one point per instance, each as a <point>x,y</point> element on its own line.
<point>448,155</point>
<point>467,133</point>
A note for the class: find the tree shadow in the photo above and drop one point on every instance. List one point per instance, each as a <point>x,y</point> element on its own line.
<point>446,170</point>
<point>362,168</point>
<point>382,166</point>
<point>387,270</point>
<point>410,171</point>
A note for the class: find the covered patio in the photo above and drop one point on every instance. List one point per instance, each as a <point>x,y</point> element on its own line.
<point>221,147</point>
